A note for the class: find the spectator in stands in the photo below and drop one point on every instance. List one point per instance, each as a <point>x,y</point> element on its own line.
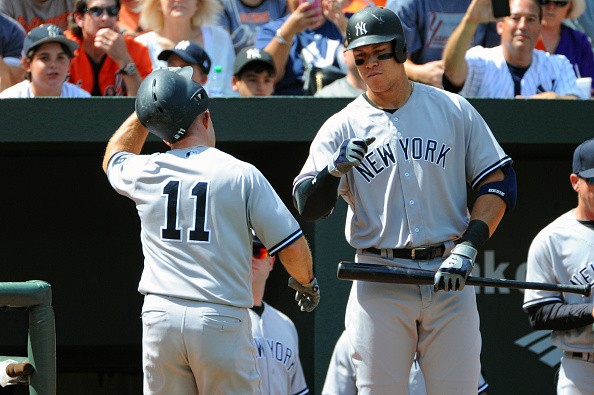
<point>129,18</point>
<point>47,57</point>
<point>243,18</point>
<point>171,22</point>
<point>308,37</point>
<point>187,53</point>
<point>253,73</point>
<point>514,69</point>
<point>106,63</point>
<point>32,13</point>
<point>557,38</point>
<point>12,35</point>
<point>349,86</point>
<point>427,25</point>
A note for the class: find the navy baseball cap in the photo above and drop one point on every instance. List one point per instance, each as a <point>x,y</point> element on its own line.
<point>583,159</point>
<point>251,55</point>
<point>47,33</point>
<point>189,52</point>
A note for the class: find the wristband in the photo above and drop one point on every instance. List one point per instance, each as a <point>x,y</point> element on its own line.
<point>476,234</point>
<point>280,38</point>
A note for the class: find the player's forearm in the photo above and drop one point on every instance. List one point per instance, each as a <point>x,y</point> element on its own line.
<point>561,316</point>
<point>129,137</point>
<point>296,258</point>
<point>315,198</point>
<point>454,53</point>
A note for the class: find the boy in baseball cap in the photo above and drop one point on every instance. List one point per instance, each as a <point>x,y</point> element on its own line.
<point>187,53</point>
<point>254,73</point>
<point>583,161</point>
<point>46,57</point>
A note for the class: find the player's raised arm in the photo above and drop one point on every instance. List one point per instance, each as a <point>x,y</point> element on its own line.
<point>129,137</point>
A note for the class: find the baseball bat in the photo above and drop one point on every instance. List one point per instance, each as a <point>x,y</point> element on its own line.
<point>399,275</point>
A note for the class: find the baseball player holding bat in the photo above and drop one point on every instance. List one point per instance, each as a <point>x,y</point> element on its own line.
<point>401,155</point>
<point>197,206</point>
<point>564,252</point>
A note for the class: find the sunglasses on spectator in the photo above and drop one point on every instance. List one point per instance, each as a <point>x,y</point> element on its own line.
<point>113,10</point>
<point>589,180</point>
<point>259,252</point>
<point>556,3</point>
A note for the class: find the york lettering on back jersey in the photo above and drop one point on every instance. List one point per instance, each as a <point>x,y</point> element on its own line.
<point>416,148</point>
<point>277,351</point>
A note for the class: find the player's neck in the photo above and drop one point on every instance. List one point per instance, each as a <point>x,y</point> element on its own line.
<point>393,98</point>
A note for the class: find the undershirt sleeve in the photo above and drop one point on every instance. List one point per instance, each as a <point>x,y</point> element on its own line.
<point>560,316</point>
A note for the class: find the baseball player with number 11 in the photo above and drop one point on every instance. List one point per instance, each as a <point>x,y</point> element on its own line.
<point>401,155</point>
<point>197,206</point>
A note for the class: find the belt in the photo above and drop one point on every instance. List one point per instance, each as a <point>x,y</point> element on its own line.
<point>584,356</point>
<point>417,254</point>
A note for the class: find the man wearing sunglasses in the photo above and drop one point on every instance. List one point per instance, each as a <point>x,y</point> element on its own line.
<point>563,252</point>
<point>275,335</point>
<point>513,69</point>
<point>107,63</point>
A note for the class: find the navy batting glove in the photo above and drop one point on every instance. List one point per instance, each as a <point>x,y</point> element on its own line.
<point>453,272</point>
<point>350,154</point>
<point>308,295</point>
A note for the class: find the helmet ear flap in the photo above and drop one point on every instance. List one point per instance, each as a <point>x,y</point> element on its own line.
<point>400,50</point>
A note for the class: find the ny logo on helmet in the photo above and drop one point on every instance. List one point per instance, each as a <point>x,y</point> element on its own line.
<point>361,28</point>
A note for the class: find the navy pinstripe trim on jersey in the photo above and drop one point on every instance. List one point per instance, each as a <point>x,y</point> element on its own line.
<point>286,242</point>
<point>483,387</point>
<point>502,162</point>
<point>302,392</point>
<point>541,301</point>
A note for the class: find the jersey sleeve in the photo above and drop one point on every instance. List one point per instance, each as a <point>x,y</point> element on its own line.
<point>269,216</point>
<point>484,154</point>
<point>123,170</point>
<point>540,268</point>
<point>566,83</point>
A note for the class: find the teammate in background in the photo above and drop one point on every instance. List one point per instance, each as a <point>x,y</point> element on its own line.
<point>243,18</point>
<point>401,156</point>
<point>33,13</point>
<point>513,69</point>
<point>341,379</point>
<point>350,85</point>
<point>274,334</point>
<point>106,63</point>
<point>427,25</point>
<point>48,54</point>
<point>186,53</point>
<point>563,252</point>
<point>12,36</point>
<point>253,73</point>
<point>197,206</point>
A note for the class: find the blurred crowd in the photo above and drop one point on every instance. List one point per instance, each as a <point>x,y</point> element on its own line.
<point>82,48</point>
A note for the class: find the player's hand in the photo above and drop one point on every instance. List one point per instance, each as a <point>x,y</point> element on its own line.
<point>453,272</point>
<point>308,295</point>
<point>350,154</point>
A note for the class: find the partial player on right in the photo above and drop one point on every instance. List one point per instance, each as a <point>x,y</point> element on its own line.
<point>401,155</point>
<point>563,252</point>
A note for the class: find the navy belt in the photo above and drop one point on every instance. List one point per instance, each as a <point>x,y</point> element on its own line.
<point>584,356</point>
<point>417,254</point>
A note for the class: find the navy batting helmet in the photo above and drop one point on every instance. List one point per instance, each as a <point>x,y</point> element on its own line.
<point>168,101</point>
<point>374,25</point>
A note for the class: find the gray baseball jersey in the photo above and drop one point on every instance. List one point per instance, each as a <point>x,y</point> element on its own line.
<point>489,76</point>
<point>563,252</point>
<point>277,346</point>
<point>421,156</point>
<point>194,246</point>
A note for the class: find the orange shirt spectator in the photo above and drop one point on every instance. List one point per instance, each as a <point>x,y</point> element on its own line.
<point>106,63</point>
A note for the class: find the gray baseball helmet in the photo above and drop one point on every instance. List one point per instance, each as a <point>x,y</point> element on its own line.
<point>168,101</point>
<point>374,25</point>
